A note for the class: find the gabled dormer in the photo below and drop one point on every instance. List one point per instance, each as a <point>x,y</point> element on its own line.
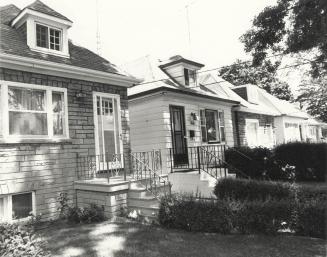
<point>44,29</point>
<point>248,92</point>
<point>182,71</point>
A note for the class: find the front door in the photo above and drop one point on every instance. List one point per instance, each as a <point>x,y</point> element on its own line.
<point>177,120</point>
<point>108,140</point>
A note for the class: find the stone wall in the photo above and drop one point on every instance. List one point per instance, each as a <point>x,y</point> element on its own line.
<point>50,168</point>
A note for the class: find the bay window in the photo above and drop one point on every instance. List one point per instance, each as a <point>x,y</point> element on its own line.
<point>33,111</point>
<point>212,126</point>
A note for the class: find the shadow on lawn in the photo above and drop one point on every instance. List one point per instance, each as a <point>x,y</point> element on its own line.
<point>125,238</point>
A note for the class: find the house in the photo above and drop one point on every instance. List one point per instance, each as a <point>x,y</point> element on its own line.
<point>63,116</point>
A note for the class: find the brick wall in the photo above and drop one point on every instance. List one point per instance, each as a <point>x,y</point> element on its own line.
<point>239,128</point>
<point>50,168</point>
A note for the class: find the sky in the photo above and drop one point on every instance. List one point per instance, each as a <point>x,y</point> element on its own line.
<point>131,29</point>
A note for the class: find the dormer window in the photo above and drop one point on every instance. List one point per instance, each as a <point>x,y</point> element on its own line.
<point>48,37</point>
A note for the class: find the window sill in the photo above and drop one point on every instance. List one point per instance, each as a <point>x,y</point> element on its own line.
<point>35,141</point>
<point>214,143</point>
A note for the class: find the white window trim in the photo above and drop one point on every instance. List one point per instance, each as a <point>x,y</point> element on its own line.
<point>7,202</point>
<point>218,126</point>
<point>48,49</point>
<point>5,112</point>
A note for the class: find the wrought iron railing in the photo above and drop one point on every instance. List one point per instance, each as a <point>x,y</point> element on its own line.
<point>151,159</point>
<point>209,159</point>
<point>144,170</point>
<point>100,166</point>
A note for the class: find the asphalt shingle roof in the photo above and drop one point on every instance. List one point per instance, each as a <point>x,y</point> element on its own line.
<point>12,41</point>
<point>41,7</point>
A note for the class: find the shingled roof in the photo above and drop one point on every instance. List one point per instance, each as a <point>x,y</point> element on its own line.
<point>12,41</point>
<point>41,7</point>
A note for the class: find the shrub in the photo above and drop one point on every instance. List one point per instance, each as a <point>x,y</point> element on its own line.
<point>17,241</point>
<point>309,159</point>
<point>310,218</point>
<point>246,189</point>
<point>90,214</point>
<point>265,217</point>
<point>251,161</point>
<point>194,214</point>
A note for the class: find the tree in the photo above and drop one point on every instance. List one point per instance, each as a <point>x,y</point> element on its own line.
<point>313,96</point>
<point>264,76</point>
<point>291,27</point>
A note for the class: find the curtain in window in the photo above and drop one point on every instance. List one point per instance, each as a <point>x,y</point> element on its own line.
<point>58,113</point>
<point>211,124</point>
<point>27,115</point>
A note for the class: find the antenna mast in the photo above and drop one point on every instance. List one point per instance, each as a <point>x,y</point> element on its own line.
<point>98,41</point>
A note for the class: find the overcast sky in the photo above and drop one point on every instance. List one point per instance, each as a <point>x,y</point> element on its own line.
<point>130,29</point>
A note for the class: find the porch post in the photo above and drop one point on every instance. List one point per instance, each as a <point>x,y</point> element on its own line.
<point>198,154</point>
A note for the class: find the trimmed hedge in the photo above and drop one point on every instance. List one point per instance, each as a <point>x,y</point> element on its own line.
<point>191,214</point>
<point>310,159</point>
<point>17,241</point>
<point>246,189</point>
<point>297,161</point>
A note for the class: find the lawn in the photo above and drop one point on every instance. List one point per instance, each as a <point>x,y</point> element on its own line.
<point>124,238</point>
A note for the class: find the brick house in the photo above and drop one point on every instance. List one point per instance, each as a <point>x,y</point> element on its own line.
<point>60,103</point>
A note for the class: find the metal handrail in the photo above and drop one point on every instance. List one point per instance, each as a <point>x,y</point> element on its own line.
<point>224,162</point>
<point>149,181</point>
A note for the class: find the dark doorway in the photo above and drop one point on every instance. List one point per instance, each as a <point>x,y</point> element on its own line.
<point>177,120</point>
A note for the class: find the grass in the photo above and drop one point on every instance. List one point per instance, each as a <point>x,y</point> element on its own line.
<point>124,238</point>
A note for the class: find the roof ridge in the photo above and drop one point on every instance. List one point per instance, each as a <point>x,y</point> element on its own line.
<point>8,6</point>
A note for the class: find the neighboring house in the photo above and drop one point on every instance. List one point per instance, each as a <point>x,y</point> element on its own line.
<point>176,113</point>
<point>59,103</point>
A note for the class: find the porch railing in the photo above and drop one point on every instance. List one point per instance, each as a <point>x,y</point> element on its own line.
<point>145,167</point>
<point>100,166</point>
<point>209,159</point>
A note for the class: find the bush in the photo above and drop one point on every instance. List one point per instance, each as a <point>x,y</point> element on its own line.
<point>309,159</point>
<point>90,214</point>
<point>310,218</point>
<point>17,241</point>
<point>287,162</point>
<point>263,217</point>
<point>192,214</point>
<point>246,189</point>
<point>251,161</point>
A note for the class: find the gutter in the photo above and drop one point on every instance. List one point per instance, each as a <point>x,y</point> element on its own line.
<point>64,70</point>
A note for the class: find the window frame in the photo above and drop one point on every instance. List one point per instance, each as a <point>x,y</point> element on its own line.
<point>257,123</point>
<point>8,205</point>
<point>218,126</point>
<point>48,38</point>
<point>4,134</point>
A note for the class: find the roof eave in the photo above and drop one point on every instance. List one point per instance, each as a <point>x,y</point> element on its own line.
<point>175,90</point>
<point>70,71</point>
<point>27,11</point>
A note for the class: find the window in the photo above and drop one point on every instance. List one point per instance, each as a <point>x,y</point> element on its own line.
<point>190,76</point>
<point>33,111</point>
<point>252,132</point>
<point>17,206</point>
<point>212,126</point>
<point>47,37</point>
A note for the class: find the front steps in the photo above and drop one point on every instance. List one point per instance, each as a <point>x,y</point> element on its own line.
<point>142,203</point>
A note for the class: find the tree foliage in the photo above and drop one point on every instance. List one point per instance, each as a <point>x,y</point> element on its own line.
<point>313,96</point>
<point>291,26</point>
<point>264,76</point>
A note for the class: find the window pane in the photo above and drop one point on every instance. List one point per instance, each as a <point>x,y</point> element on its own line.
<point>221,126</point>
<point>55,39</point>
<point>203,126</point>
<point>186,76</point>
<point>26,99</point>
<point>25,123</point>
<point>211,124</point>
<point>21,205</point>
<point>41,36</point>
<point>58,113</point>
